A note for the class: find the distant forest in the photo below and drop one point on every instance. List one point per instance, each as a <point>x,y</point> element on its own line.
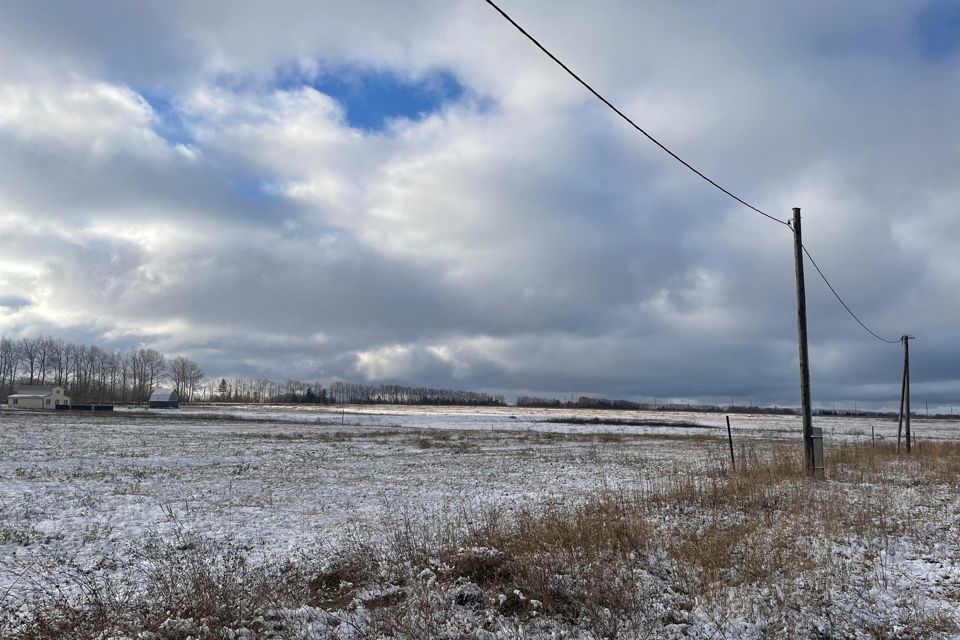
<point>263,390</point>
<point>589,402</point>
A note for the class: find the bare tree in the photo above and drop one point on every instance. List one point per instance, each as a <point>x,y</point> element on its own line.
<point>44,357</point>
<point>9,362</point>
<point>29,356</point>
<point>148,368</point>
<point>60,352</point>
<point>156,369</point>
<point>186,376</point>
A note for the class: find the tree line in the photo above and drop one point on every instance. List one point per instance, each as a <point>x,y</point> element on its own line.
<point>583,402</point>
<point>89,373</point>
<point>262,390</point>
<point>589,402</point>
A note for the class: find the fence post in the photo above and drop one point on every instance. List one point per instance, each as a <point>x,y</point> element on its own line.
<point>733,462</point>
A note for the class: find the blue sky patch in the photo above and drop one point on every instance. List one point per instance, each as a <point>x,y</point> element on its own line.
<point>255,190</point>
<point>14,302</point>
<point>939,28</point>
<point>169,122</point>
<point>371,97</point>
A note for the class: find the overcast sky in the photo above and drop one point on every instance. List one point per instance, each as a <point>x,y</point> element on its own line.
<point>410,192</point>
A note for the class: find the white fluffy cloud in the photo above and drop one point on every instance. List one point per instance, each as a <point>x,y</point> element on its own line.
<point>175,174</point>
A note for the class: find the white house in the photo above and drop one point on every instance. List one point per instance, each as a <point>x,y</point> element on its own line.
<point>38,396</point>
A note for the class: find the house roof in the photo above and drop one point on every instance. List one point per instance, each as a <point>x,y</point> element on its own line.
<point>34,389</point>
<point>164,395</point>
<point>22,396</point>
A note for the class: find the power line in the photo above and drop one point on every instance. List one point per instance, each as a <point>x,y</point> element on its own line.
<point>686,164</point>
<point>837,295</point>
<point>625,117</point>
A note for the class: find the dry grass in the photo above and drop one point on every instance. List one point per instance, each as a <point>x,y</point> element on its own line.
<point>527,550</point>
<point>194,588</point>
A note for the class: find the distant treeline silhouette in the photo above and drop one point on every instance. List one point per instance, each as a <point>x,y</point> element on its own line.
<point>298,391</point>
<point>352,393</point>
<point>583,402</point>
<point>588,402</point>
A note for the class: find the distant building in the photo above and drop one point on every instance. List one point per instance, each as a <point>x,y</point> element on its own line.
<point>165,399</point>
<point>38,396</point>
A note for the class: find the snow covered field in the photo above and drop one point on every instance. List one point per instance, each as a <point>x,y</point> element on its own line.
<point>97,483</point>
<point>528,419</point>
<point>91,486</point>
<point>89,492</point>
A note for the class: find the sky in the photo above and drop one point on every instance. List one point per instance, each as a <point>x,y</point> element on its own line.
<point>390,192</point>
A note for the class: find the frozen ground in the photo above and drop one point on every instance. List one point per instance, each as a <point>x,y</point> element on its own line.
<point>88,488</point>
<point>96,483</point>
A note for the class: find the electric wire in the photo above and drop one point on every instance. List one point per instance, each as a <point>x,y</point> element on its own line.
<point>837,295</point>
<point>627,118</point>
<point>686,164</point>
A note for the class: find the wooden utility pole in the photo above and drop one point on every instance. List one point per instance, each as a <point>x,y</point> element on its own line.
<point>905,395</point>
<point>906,378</point>
<point>802,338</point>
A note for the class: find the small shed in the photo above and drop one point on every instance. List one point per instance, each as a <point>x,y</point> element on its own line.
<point>165,399</point>
<point>38,396</point>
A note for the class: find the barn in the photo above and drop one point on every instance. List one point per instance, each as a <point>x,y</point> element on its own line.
<point>38,396</point>
<point>165,399</point>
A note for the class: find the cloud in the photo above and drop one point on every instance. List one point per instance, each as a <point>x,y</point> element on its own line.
<point>348,190</point>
